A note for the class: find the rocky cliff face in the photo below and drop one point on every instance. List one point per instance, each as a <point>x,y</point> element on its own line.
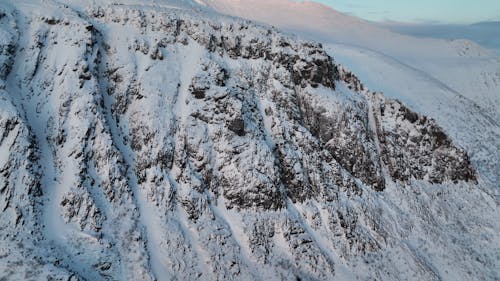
<point>163,144</point>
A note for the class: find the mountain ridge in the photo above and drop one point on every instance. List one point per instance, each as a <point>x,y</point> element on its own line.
<point>440,59</point>
<point>154,144</point>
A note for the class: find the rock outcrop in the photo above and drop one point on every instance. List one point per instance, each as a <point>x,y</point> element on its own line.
<point>162,144</point>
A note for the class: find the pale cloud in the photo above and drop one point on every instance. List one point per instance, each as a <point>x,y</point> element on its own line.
<point>423,11</point>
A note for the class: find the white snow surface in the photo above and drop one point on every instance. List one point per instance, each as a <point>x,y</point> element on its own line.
<point>151,140</point>
<point>461,65</point>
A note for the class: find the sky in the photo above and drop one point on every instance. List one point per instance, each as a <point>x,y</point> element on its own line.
<point>420,11</point>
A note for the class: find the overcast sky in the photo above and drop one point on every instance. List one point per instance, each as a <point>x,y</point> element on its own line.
<point>420,11</point>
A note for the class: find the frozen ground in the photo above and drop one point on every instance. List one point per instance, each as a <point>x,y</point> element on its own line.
<point>160,140</point>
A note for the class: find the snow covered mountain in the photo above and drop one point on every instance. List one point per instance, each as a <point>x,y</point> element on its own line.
<point>462,67</point>
<point>486,34</point>
<point>160,140</point>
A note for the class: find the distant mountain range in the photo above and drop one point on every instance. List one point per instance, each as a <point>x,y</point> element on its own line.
<point>486,34</point>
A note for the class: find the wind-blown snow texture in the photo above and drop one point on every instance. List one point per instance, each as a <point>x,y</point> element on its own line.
<point>161,142</point>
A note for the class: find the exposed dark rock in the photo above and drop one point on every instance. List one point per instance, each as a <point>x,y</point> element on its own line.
<point>52,21</point>
<point>198,93</point>
<point>416,147</point>
<point>237,126</point>
<point>268,157</point>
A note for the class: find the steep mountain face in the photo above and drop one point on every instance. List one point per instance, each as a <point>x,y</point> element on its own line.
<point>146,142</point>
<point>469,73</point>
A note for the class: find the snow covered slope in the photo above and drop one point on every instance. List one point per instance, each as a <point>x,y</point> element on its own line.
<point>161,141</point>
<point>469,124</point>
<point>460,65</point>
